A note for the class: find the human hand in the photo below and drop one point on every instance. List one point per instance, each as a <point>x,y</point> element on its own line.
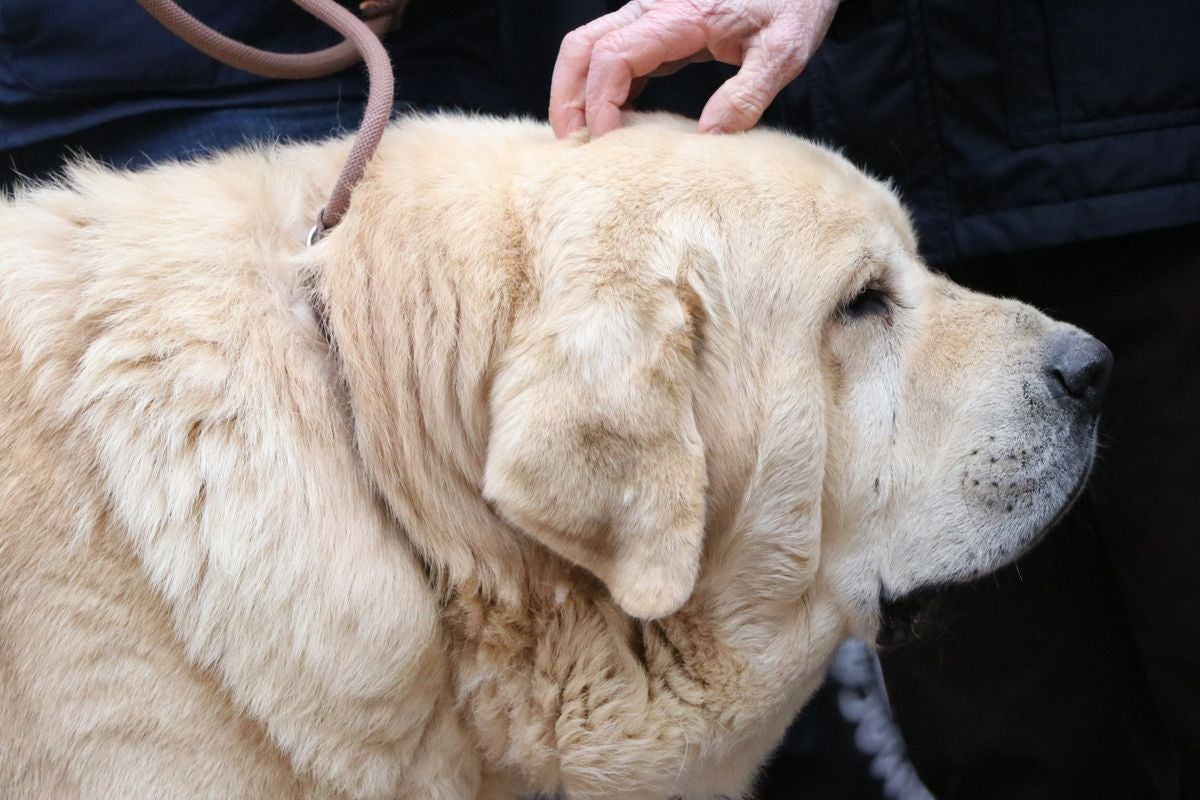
<point>603,64</point>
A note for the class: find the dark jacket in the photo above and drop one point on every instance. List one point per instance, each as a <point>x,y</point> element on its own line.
<point>68,68</point>
<point>1013,124</point>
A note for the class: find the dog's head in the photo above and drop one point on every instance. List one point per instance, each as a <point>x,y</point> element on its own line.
<point>691,363</point>
<point>738,365</point>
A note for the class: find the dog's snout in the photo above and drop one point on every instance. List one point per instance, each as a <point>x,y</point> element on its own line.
<point>1078,368</point>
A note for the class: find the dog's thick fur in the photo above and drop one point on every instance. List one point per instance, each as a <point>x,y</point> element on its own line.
<point>598,470</point>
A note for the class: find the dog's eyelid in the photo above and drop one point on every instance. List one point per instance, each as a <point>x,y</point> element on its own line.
<point>874,297</point>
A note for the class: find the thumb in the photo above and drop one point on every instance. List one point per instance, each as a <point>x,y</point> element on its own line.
<point>740,102</point>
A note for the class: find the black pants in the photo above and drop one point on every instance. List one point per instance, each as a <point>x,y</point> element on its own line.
<point>1076,672</point>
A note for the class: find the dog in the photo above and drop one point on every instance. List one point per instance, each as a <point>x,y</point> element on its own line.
<point>557,467</point>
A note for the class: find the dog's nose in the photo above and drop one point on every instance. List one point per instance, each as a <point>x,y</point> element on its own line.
<point>1078,368</point>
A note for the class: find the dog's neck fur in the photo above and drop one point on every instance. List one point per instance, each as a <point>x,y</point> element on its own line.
<point>418,380</point>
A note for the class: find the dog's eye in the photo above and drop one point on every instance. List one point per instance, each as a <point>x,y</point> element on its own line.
<point>873,300</point>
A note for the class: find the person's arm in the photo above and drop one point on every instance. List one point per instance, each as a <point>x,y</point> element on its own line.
<point>603,63</point>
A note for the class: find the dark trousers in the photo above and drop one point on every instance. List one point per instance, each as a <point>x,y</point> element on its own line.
<point>1075,673</point>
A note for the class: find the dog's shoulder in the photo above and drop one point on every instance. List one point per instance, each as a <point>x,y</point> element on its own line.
<point>158,322</point>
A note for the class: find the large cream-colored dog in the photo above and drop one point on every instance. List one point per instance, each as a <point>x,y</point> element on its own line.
<point>559,466</point>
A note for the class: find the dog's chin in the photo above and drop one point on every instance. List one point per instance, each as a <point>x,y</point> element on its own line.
<point>1065,508</point>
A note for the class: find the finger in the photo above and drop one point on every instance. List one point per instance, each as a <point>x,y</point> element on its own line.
<point>633,51</point>
<point>740,102</point>
<point>571,67</point>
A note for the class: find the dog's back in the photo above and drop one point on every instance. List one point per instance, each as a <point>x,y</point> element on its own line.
<point>97,698</point>
<point>200,594</point>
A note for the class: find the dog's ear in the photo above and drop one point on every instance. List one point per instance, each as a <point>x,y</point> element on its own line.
<point>594,450</point>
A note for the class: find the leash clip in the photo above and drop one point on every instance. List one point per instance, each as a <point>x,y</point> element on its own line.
<point>317,232</point>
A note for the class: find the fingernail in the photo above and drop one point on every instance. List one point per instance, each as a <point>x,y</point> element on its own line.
<point>575,122</point>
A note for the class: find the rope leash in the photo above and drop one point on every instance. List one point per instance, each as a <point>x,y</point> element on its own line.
<point>361,42</point>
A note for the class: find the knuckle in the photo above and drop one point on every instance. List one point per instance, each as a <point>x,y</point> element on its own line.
<point>787,59</point>
<point>610,47</point>
<point>747,102</point>
<point>727,13</point>
<point>782,57</point>
<point>717,8</point>
<point>576,40</point>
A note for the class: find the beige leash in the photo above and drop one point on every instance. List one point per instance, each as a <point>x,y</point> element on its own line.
<point>361,41</point>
